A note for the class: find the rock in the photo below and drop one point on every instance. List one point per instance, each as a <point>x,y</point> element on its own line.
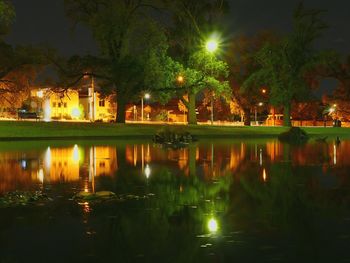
<point>101,195</point>
<point>173,138</point>
<point>294,135</point>
<point>105,194</point>
<point>21,198</point>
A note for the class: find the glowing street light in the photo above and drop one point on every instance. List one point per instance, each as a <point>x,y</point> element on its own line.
<point>146,96</point>
<point>180,79</point>
<point>212,45</point>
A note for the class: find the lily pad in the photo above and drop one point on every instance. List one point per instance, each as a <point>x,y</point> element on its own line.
<point>22,198</point>
<point>101,195</point>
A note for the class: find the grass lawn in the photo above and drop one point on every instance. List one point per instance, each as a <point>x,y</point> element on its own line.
<point>14,130</point>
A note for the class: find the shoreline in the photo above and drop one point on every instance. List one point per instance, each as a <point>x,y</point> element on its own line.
<point>34,131</point>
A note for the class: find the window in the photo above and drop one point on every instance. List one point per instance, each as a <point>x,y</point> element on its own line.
<point>59,105</point>
<point>101,103</point>
<point>65,104</point>
<point>54,105</point>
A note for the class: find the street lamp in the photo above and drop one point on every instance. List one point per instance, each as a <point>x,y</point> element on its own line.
<point>180,79</point>
<point>256,113</point>
<point>147,96</point>
<point>211,46</point>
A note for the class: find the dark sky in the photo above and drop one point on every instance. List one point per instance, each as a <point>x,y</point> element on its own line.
<point>43,21</point>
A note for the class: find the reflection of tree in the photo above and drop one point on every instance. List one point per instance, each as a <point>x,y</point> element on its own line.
<point>290,205</point>
<point>163,225</point>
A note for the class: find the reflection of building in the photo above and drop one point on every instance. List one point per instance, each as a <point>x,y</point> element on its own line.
<point>56,165</point>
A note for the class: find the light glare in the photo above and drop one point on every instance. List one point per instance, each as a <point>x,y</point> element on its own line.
<point>213,225</point>
<point>212,46</point>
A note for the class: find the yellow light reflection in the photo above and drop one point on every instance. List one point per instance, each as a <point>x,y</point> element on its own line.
<point>264,175</point>
<point>47,158</point>
<point>40,175</point>
<point>212,225</point>
<point>76,155</point>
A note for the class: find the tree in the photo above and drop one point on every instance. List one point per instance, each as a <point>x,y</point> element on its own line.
<point>19,64</point>
<point>132,47</point>
<point>204,72</point>
<point>7,16</point>
<point>241,60</point>
<point>284,65</point>
<point>192,20</point>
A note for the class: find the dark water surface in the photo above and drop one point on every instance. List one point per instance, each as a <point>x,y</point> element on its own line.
<point>216,201</point>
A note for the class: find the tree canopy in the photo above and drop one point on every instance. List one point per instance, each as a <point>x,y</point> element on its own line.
<point>283,65</point>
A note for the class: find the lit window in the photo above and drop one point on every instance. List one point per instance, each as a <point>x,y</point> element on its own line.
<point>101,103</point>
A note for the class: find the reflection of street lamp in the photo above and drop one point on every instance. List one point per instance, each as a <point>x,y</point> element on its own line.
<point>147,171</point>
<point>211,46</point>
<point>212,225</point>
<point>146,96</point>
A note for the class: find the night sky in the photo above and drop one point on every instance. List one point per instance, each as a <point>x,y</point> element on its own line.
<point>43,21</point>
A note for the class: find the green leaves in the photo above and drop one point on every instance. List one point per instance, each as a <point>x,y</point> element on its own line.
<point>284,65</point>
<point>7,16</point>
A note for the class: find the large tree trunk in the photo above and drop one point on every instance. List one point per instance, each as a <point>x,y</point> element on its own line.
<point>286,115</point>
<point>121,105</point>
<point>192,116</point>
<point>247,119</point>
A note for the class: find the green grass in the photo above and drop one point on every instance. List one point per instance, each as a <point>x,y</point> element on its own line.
<point>66,130</point>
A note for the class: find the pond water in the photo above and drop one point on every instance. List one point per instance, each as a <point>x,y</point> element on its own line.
<point>215,201</point>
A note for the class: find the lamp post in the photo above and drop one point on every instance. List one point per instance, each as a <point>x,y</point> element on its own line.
<point>211,47</point>
<point>144,96</point>
<point>256,112</point>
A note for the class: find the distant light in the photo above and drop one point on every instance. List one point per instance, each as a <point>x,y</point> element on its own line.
<point>76,113</point>
<point>212,45</point>
<point>147,96</point>
<point>331,110</point>
<point>260,104</point>
<point>40,94</point>
<point>24,164</point>
<point>147,171</point>
<point>180,79</point>
<point>263,91</point>
<point>213,225</point>
<point>47,111</point>
<point>334,105</point>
